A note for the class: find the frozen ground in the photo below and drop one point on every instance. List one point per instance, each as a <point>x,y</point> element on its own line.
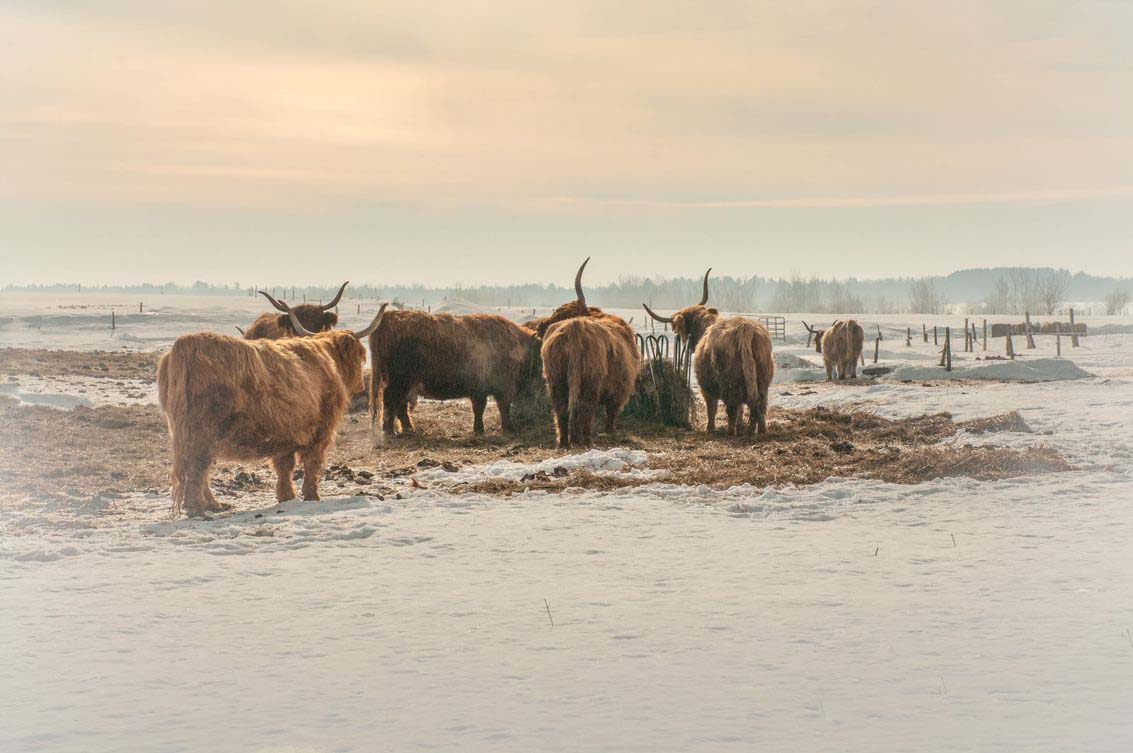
<point>847,616</point>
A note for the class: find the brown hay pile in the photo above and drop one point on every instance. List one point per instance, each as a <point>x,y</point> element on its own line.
<point>661,397</point>
<point>1003,422</point>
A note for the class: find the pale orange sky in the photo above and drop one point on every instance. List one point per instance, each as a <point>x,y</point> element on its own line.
<point>465,141</point>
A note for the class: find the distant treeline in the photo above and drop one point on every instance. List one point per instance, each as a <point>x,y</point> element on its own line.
<point>994,290</point>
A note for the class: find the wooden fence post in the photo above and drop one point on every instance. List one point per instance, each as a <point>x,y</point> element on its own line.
<point>113,324</point>
<point>908,337</point>
<point>935,341</point>
<point>141,307</point>
<point>1058,344</point>
<point>1010,345</point>
<point>924,331</point>
<point>967,339</point>
<point>1030,337</point>
<point>948,348</point>
<point>876,347</point>
<point>985,335</point>
<point>1073,334</point>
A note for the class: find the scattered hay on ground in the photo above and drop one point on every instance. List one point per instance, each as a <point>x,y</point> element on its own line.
<point>55,363</point>
<point>74,455</point>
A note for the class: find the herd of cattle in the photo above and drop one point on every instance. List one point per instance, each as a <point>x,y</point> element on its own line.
<point>280,391</point>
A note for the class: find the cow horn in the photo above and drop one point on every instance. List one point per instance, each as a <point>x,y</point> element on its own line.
<point>363,334</point>
<point>280,306</point>
<point>240,331</point>
<point>337,296</point>
<point>297,325</point>
<point>809,328</point>
<point>578,282</point>
<point>665,319</point>
<point>704,296</point>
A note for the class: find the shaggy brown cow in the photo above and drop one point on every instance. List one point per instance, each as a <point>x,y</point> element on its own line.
<point>841,347</point>
<point>691,322</point>
<point>247,400</point>
<point>314,318</point>
<point>734,364</point>
<point>588,362</point>
<point>444,357</point>
<point>590,358</point>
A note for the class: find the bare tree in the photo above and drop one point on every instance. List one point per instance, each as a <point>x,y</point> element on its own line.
<point>1022,290</point>
<point>1115,301</point>
<point>1050,289</point>
<point>924,298</point>
<point>999,301</point>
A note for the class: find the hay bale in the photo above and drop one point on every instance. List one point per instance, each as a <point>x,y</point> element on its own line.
<point>661,397</point>
<point>532,406</point>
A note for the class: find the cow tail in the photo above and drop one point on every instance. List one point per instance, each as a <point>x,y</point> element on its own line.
<point>574,392</point>
<point>751,372</point>
<point>173,396</point>
<point>377,435</point>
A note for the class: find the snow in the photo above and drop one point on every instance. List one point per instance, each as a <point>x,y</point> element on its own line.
<point>846,616</point>
<point>1036,370</point>
<point>614,461</point>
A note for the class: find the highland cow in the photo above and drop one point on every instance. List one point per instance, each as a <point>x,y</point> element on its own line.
<point>841,347</point>
<point>313,317</point>
<point>590,358</point>
<point>691,322</point>
<point>442,356</point>
<point>226,398</point>
<point>588,362</point>
<point>734,364</point>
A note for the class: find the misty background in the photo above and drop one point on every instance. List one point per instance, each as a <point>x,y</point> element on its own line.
<point>1013,290</point>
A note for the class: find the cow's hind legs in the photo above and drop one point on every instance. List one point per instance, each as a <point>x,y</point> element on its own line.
<point>561,406</point>
<point>504,406</point>
<point>712,405</point>
<point>198,496</point>
<point>404,419</point>
<point>479,403</point>
<point>612,411</point>
<point>312,459</point>
<point>284,465</point>
<point>733,417</point>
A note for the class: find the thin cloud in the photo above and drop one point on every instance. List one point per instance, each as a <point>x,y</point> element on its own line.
<point>851,202</point>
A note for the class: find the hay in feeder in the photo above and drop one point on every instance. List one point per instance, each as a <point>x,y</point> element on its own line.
<point>662,397</point>
<point>531,408</point>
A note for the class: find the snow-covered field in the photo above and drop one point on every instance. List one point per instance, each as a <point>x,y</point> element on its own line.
<point>846,616</point>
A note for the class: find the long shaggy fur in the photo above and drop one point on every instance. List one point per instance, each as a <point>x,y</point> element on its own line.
<point>226,398</point>
<point>734,363</point>
<point>444,357</point>
<point>588,361</point>
<point>841,347</point>
<point>278,326</point>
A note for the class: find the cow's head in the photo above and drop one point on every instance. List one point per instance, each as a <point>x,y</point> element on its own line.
<point>691,322</point>
<point>348,351</point>
<point>314,317</point>
<point>817,335</point>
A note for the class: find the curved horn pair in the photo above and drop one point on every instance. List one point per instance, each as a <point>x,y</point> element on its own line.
<point>703,300</point>
<point>809,328</point>
<point>360,334</point>
<point>280,306</point>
